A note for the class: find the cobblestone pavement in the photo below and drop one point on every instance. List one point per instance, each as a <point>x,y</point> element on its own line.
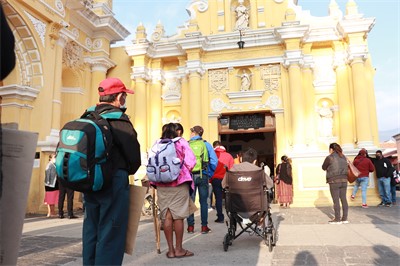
<point>304,238</point>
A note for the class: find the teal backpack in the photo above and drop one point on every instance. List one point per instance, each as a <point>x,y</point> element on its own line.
<point>82,154</point>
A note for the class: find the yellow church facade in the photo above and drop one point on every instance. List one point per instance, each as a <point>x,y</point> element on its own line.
<point>263,74</point>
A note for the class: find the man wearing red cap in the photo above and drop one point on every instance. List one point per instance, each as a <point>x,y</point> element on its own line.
<point>106,212</point>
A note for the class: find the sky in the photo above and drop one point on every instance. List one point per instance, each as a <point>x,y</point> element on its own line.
<point>383,40</point>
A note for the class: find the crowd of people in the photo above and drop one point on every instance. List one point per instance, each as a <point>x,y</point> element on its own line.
<point>203,166</point>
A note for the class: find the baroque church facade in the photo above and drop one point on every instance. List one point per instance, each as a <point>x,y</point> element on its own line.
<point>264,74</point>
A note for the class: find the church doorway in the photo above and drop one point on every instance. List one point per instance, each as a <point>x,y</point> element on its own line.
<point>240,131</point>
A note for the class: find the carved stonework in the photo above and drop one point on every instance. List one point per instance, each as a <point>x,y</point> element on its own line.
<point>271,75</point>
<point>73,55</point>
<point>75,32</point>
<point>217,105</point>
<point>39,26</point>
<point>218,80</point>
<point>60,7</point>
<point>88,43</point>
<point>172,90</point>
<point>274,102</point>
<point>97,44</point>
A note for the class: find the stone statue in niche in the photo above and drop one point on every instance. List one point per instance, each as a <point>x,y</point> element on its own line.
<point>242,16</point>
<point>326,120</point>
<point>245,81</point>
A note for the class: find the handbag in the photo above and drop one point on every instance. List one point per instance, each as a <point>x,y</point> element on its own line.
<point>352,173</point>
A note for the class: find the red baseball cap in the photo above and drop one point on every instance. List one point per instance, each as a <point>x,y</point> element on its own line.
<point>112,86</point>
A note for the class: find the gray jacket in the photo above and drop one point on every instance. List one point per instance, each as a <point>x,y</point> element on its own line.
<point>336,167</point>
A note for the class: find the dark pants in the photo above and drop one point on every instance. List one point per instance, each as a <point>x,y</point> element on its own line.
<point>105,223</point>
<point>217,189</point>
<point>61,199</point>
<point>338,191</point>
<point>200,183</point>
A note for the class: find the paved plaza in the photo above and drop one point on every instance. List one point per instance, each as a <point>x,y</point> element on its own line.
<point>304,238</point>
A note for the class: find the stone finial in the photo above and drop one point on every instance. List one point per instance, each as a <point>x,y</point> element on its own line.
<point>158,32</point>
<point>334,10</point>
<point>140,32</point>
<point>351,8</point>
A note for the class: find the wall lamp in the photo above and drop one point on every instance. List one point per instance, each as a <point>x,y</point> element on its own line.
<point>240,42</point>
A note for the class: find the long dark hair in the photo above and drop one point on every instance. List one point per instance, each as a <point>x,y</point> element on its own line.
<point>336,148</point>
<point>169,131</point>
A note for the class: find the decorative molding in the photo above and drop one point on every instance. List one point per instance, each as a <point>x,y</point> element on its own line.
<point>16,91</point>
<point>52,9</point>
<point>194,66</point>
<point>243,97</point>
<point>73,90</point>
<point>16,105</point>
<point>357,51</point>
<point>202,6</point>
<point>293,57</point>
<point>101,64</point>
<point>243,62</point>
<point>141,72</point>
<point>39,26</point>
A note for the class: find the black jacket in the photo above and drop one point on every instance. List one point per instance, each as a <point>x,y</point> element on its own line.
<point>125,153</point>
<point>382,167</point>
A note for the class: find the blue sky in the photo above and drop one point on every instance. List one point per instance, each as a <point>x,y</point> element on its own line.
<point>383,40</point>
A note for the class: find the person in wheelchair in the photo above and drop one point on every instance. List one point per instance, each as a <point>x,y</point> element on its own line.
<point>249,163</point>
<point>246,187</point>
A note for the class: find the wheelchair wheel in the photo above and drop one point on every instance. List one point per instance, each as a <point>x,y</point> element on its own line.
<point>273,236</point>
<point>226,242</point>
<point>270,239</point>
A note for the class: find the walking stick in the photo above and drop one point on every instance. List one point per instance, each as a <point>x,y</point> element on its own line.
<point>157,225</point>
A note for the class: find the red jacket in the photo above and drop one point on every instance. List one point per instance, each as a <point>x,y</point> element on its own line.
<point>224,159</point>
<point>364,165</point>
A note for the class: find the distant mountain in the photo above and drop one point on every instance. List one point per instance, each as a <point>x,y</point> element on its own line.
<point>386,135</point>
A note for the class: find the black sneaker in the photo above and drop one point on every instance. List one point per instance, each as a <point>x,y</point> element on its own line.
<point>381,204</point>
<point>219,221</point>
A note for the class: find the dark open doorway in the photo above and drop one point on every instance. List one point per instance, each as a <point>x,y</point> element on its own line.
<point>262,142</point>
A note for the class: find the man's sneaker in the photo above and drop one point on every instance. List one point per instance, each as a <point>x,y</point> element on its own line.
<point>335,222</point>
<point>345,222</point>
<point>381,204</point>
<point>205,229</point>
<point>365,206</point>
<point>352,197</point>
<point>219,221</point>
<point>190,229</point>
<point>388,205</point>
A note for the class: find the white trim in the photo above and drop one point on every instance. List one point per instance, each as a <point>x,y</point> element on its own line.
<point>17,91</point>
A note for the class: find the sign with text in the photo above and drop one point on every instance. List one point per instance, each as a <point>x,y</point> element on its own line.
<point>247,121</point>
